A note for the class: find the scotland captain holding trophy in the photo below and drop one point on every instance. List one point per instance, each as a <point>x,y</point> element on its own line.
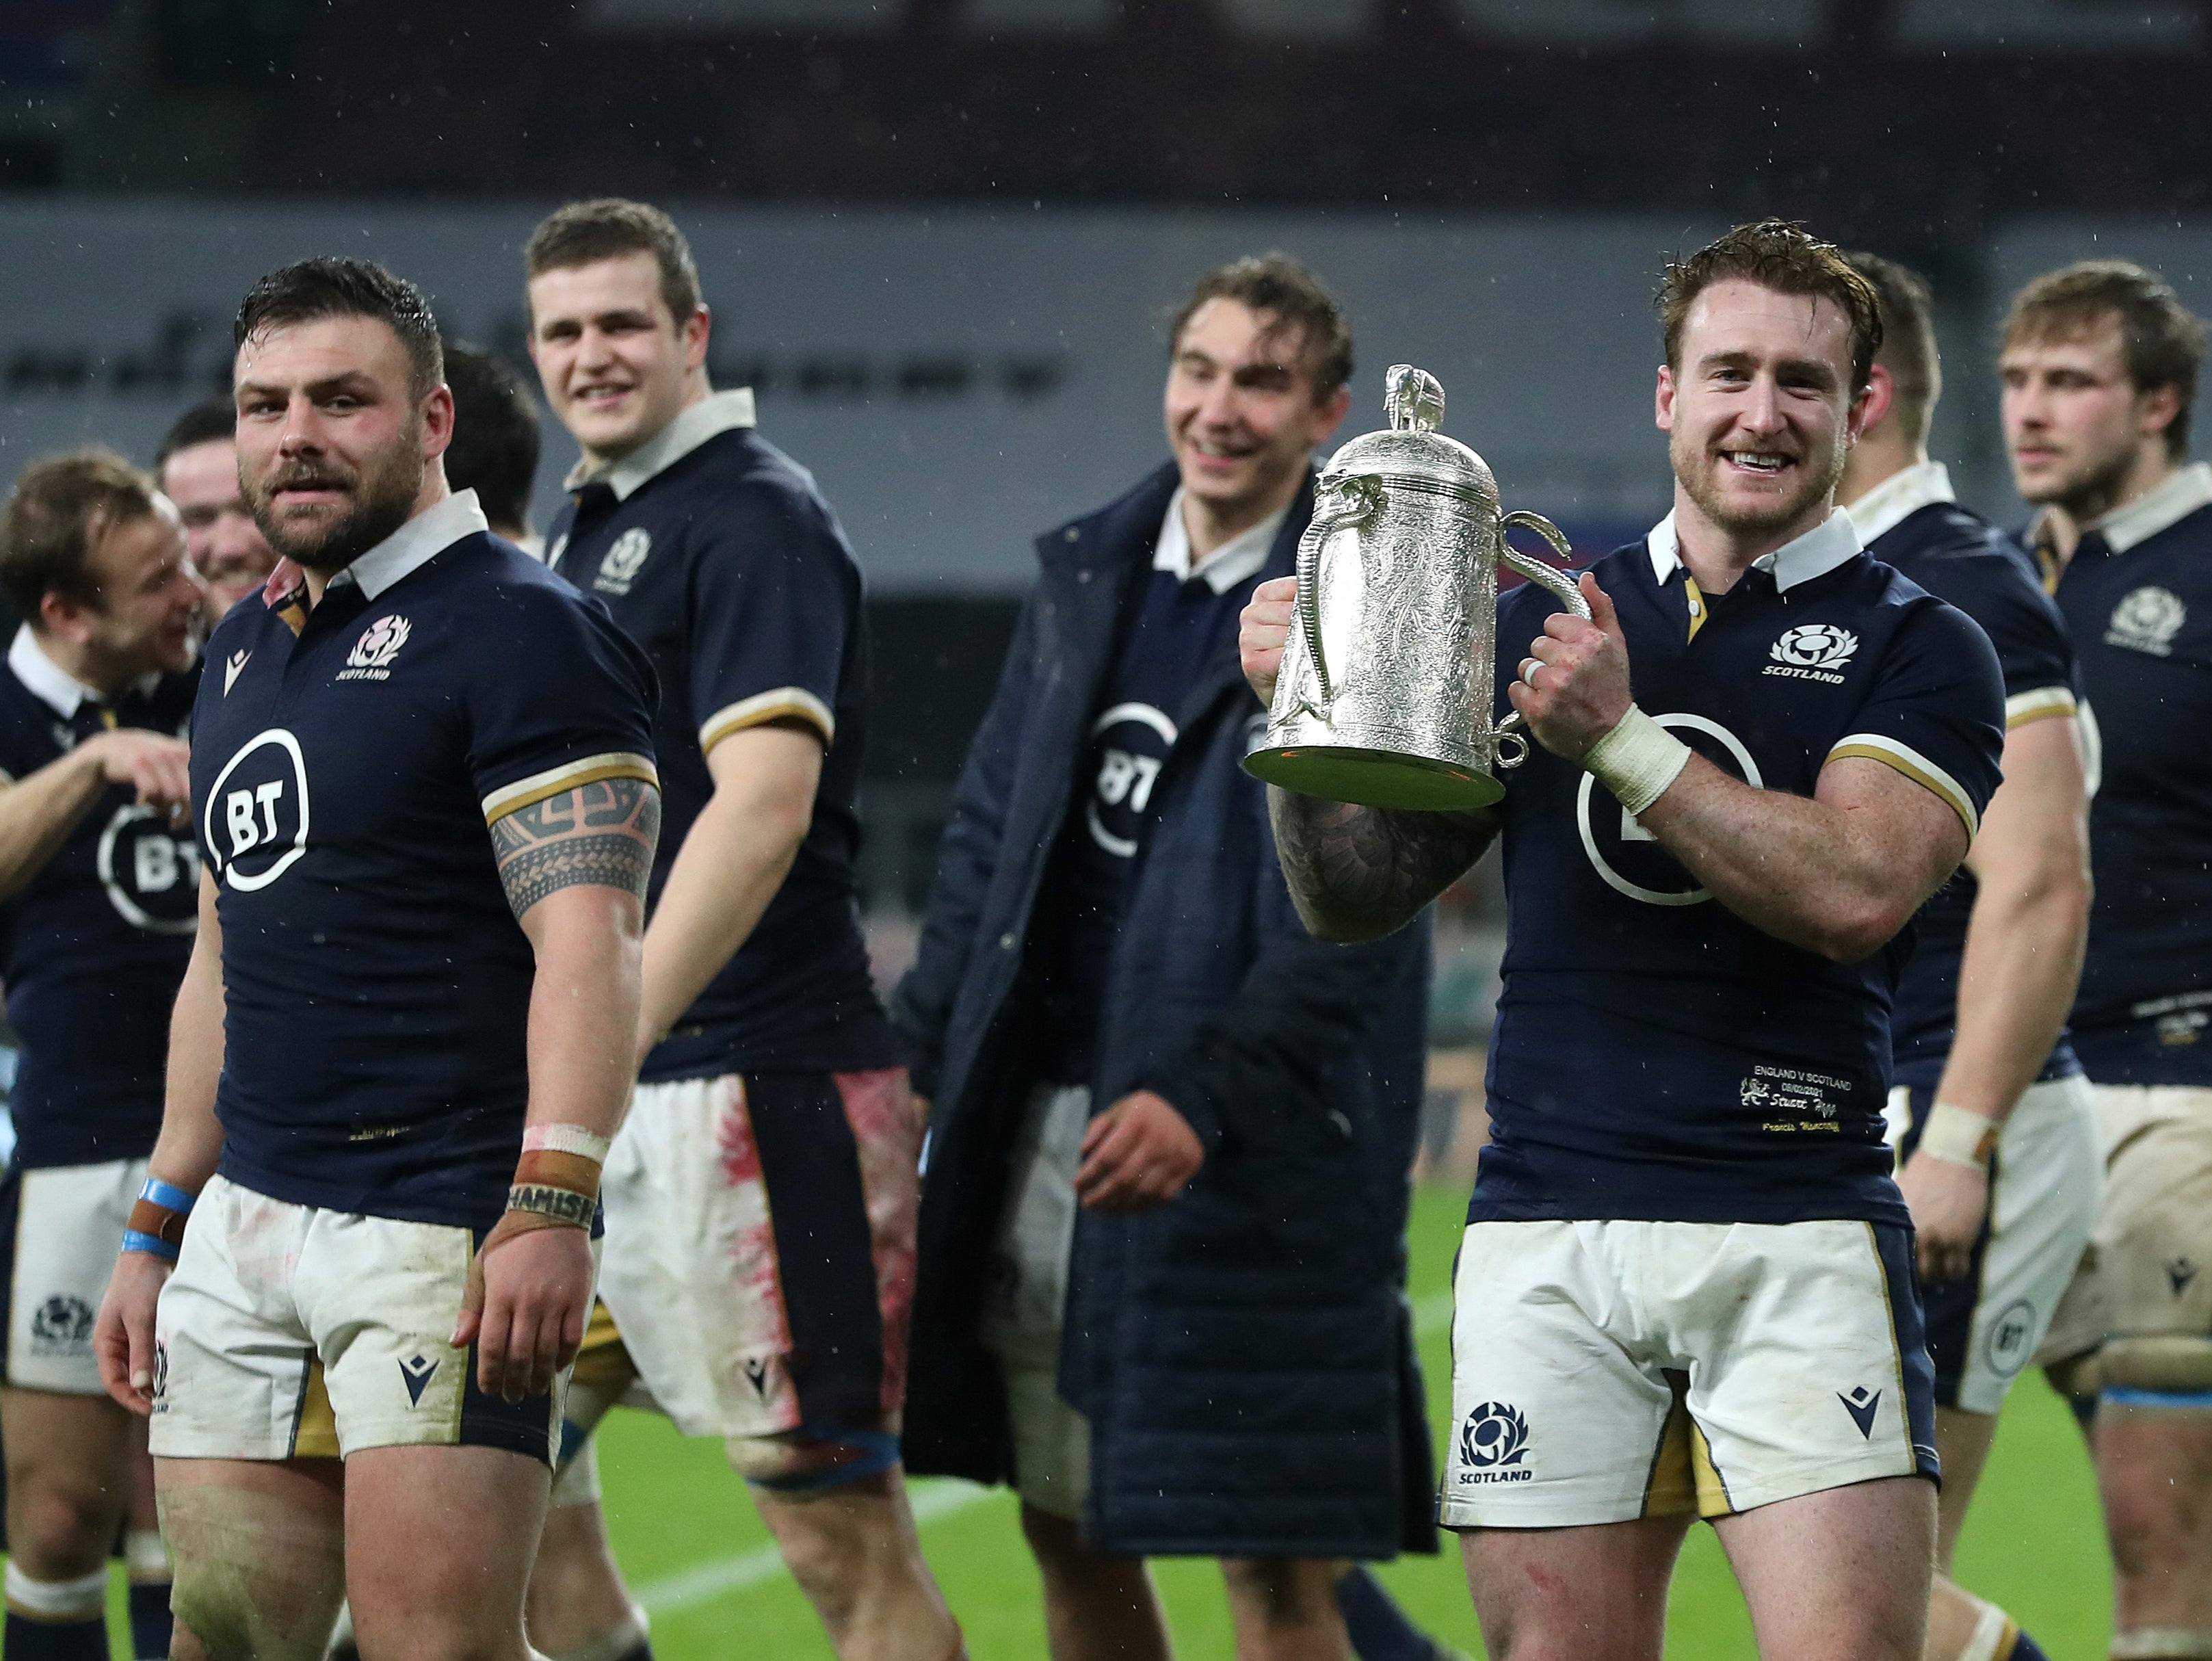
<point>1686,1287</point>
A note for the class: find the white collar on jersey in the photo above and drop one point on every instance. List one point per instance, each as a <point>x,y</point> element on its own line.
<point>1831,543</point>
<point>414,543</point>
<point>54,686</point>
<point>1899,497</point>
<point>2185,491</point>
<point>710,417</point>
<point>1226,565</point>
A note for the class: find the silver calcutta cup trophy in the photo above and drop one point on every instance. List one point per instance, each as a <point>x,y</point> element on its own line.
<point>1383,698</point>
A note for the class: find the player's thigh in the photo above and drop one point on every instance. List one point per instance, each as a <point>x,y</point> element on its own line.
<point>2154,1247</point>
<point>69,1473</point>
<point>1556,1422</point>
<point>439,1542</point>
<point>1594,1593</point>
<point>257,1550</point>
<point>1839,1575</point>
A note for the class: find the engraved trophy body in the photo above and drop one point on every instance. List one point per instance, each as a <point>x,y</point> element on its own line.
<point>1384,694</point>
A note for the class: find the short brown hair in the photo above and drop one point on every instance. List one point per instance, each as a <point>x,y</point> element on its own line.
<point>1908,339</point>
<point>607,228</point>
<point>59,508</point>
<point>1781,255</point>
<point>1277,283</point>
<point>2163,341</point>
<point>335,286</point>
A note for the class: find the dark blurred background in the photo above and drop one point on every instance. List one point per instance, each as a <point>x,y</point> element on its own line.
<point>941,235</point>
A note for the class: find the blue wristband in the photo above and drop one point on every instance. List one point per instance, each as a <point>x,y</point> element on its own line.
<point>167,1195</point>
<point>136,1239</point>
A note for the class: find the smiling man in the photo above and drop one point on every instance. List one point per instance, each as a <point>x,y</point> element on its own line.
<point>351,1289</point>
<point>1163,1228</point>
<point>197,467</point>
<point>761,1199</point>
<point>2100,367</point>
<point>1686,1288</point>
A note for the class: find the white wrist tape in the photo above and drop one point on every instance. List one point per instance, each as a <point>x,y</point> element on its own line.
<point>567,1138</point>
<point>1637,760</point>
<point>1958,1136</point>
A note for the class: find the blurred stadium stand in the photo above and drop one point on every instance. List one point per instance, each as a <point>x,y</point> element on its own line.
<point>940,235</point>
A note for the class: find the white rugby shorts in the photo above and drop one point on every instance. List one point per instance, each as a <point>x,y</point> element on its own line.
<point>2047,1182</point>
<point>1603,1371</point>
<point>290,1332</point>
<point>63,1241</point>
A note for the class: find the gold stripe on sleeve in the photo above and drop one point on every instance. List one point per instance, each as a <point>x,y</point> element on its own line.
<point>784,703</point>
<point>2040,703</point>
<point>554,781</point>
<point>1873,746</point>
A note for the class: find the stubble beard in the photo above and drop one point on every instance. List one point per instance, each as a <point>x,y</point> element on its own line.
<point>1697,473</point>
<point>383,501</point>
<point>2091,493</point>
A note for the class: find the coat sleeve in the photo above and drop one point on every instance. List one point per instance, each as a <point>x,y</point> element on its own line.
<point>967,856</point>
<point>1258,1070</point>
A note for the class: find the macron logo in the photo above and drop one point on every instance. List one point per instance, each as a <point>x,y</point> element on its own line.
<point>415,1370</point>
<point>1862,1404</point>
<point>230,670</point>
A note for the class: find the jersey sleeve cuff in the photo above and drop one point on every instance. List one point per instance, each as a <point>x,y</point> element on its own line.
<point>784,703</point>
<point>1874,746</point>
<point>557,780</point>
<point>2039,705</point>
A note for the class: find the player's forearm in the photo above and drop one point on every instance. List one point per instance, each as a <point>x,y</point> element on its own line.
<point>2016,982</point>
<point>1799,869</point>
<point>37,814</point>
<point>1357,873</point>
<point>739,850</point>
<point>583,1006</point>
<point>191,1142</point>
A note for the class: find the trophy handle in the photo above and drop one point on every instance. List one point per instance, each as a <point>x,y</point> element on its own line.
<point>1508,731</point>
<point>1361,498</point>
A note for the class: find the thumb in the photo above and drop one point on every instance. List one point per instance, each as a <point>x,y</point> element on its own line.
<point>1600,604</point>
<point>472,1302</point>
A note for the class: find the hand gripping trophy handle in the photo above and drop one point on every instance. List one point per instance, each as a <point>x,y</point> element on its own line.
<point>1509,730</point>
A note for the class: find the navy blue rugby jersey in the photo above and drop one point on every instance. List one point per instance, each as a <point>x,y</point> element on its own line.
<point>1655,1057</point>
<point>2138,601</point>
<point>1912,522</point>
<point>1176,623</point>
<point>344,781</point>
<point>91,948</point>
<point>717,555</point>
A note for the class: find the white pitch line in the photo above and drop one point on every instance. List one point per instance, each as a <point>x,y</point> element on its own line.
<point>931,1498</point>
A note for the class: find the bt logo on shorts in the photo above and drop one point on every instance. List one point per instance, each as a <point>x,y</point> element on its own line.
<point>62,1325</point>
<point>1492,1443</point>
<point>254,824</point>
<point>2008,1333</point>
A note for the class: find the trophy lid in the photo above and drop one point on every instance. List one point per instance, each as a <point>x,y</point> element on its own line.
<point>1411,447</point>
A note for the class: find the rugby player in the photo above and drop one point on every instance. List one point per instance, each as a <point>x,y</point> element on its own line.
<point>761,1198</point>
<point>426,808</point>
<point>1686,1288</point>
<point>1129,1039</point>
<point>197,467</point>
<point>495,443</point>
<point>2001,1166</point>
<point>100,876</point>
<point>2100,365</point>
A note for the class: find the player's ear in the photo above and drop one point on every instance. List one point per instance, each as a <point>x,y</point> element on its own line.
<point>437,408</point>
<point>64,618</point>
<point>696,328</point>
<point>1876,400</point>
<point>2159,405</point>
<point>1662,403</point>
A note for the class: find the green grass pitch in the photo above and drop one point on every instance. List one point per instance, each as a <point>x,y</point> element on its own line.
<point>698,1557</point>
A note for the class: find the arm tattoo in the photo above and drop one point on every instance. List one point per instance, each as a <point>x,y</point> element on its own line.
<point>1357,873</point>
<point>602,833</point>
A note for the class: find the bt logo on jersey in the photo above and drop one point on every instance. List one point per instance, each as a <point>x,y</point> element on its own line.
<point>255,823</point>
